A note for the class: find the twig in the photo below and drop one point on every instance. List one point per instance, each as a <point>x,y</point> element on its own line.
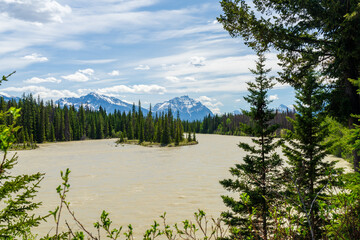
<point>78,222</point>
<point>70,231</point>
<point>59,215</point>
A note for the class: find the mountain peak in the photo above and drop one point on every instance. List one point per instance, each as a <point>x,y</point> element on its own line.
<point>94,100</point>
<point>185,97</point>
<point>93,94</point>
<point>284,108</point>
<point>9,98</point>
<point>188,108</point>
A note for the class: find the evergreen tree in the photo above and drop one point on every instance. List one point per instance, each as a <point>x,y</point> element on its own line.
<point>16,192</point>
<point>62,127</point>
<point>308,173</point>
<point>177,135</point>
<point>257,178</point>
<point>165,138</point>
<point>141,131</point>
<point>41,124</point>
<point>52,133</point>
<point>149,127</point>
<point>320,34</point>
<point>189,136</point>
<point>67,125</point>
<point>130,130</point>
<point>100,127</point>
<point>93,130</point>
<point>82,121</point>
<point>122,138</point>
<point>158,128</point>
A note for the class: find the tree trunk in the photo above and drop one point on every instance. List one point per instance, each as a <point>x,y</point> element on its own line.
<point>264,188</point>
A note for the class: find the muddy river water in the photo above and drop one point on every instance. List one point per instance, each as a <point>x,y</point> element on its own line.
<point>135,184</point>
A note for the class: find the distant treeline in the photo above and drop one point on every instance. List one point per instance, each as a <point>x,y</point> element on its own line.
<point>230,124</point>
<point>49,122</point>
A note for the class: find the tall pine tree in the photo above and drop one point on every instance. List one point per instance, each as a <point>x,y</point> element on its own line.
<point>308,173</point>
<point>257,178</point>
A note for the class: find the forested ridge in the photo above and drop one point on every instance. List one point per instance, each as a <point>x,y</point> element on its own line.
<point>48,122</point>
<point>301,195</point>
<point>231,124</point>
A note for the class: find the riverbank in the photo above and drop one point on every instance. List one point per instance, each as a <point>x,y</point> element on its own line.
<point>154,144</point>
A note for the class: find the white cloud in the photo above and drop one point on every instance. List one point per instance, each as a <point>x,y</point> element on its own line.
<point>114,73</point>
<point>35,80</point>
<point>204,99</point>
<point>42,92</point>
<point>222,72</point>
<point>191,79</point>
<point>96,61</point>
<point>215,110</point>
<point>80,75</point>
<point>4,94</point>
<point>237,100</point>
<point>187,31</point>
<point>87,71</point>
<point>211,103</point>
<point>273,97</point>
<point>172,79</point>
<point>70,45</point>
<point>149,89</point>
<point>40,11</point>
<point>76,77</point>
<point>197,61</point>
<point>35,57</point>
<point>142,67</point>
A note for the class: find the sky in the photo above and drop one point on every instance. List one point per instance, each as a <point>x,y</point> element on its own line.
<point>148,50</point>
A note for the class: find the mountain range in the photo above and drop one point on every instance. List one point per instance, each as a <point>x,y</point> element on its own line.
<point>9,98</point>
<point>189,109</point>
<point>93,101</point>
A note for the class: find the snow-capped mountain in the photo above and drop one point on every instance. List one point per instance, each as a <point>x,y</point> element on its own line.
<point>9,98</point>
<point>94,101</point>
<point>283,108</point>
<point>236,112</point>
<point>188,108</point>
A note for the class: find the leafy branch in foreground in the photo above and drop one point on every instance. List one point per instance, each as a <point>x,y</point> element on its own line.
<point>16,191</point>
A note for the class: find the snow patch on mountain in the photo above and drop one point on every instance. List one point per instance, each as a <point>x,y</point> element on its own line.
<point>9,98</point>
<point>189,109</point>
<point>284,108</point>
<point>94,100</point>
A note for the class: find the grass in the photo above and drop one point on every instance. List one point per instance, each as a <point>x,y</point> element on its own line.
<point>156,144</point>
<point>22,146</point>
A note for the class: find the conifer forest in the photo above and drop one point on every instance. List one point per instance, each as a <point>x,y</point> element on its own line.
<point>298,175</point>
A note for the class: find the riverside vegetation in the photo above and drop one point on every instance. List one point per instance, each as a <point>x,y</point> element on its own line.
<point>308,198</point>
<point>47,122</point>
<point>264,209</point>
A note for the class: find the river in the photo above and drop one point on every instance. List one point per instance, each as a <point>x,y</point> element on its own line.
<point>134,184</point>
